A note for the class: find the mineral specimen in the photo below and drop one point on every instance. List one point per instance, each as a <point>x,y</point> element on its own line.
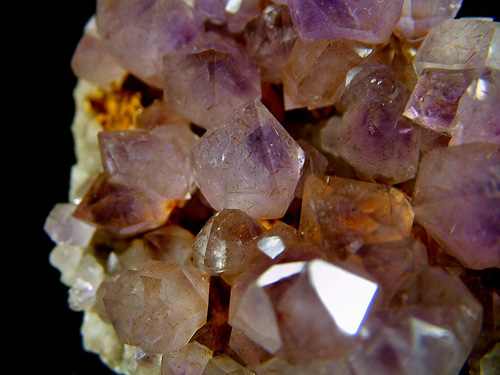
<point>285,187</point>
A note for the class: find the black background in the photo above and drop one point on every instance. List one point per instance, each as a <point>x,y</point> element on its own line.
<point>46,333</point>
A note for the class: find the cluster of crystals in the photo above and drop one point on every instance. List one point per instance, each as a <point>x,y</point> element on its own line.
<point>300,187</point>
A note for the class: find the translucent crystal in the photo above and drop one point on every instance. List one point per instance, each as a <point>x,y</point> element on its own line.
<point>249,163</point>
<point>375,138</point>
<point>478,114</point>
<point>459,44</point>
<point>419,16</point>
<point>220,245</point>
<point>64,229</point>
<point>171,244</point>
<point>369,21</point>
<point>434,100</point>
<point>190,359</point>
<point>342,214</point>
<point>224,75</point>
<point>155,161</point>
<point>158,307</point>
<point>139,34</point>
<point>270,39</point>
<point>315,71</point>
<point>295,310</point>
<point>122,211</point>
<point>93,62</point>
<point>457,200</point>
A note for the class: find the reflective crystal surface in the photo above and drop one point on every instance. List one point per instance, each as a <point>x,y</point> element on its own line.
<point>285,187</point>
<point>222,73</point>
<point>249,163</point>
<point>434,100</point>
<point>342,214</point>
<point>219,247</point>
<point>369,21</point>
<point>155,161</point>
<point>158,307</point>
<point>477,118</point>
<point>457,199</point>
<point>419,16</point>
<point>459,44</point>
<point>140,33</point>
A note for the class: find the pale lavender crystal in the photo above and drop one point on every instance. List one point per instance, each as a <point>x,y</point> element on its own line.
<point>92,62</point>
<point>158,307</point>
<point>155,161</point>
<point>434,100</point>
<point>191,359</point>
<point>64,229</point>
<point>280,244</point>
<point>302,311</point>
<point>249,163</point>
<point>315,71</point>
<point>460,44</point>
<point>419,16</point>
<point>430,331</point>
<point>375,138</point>
<point>369,21</point>
<point>235,14</point>
<point>270,39</point>
<point>140,33</point>
<point>219,248</point>
<point>478,114</point>
<point>457,200</point>
<point>208,81</point>
<point>171,244</point>
<point>122,211</point>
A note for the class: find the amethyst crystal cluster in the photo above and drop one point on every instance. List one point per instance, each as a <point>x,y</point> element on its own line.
<point>285,187</point>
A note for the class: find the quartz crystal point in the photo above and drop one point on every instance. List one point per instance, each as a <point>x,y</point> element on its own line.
<point>140,33</point>
<point>457,200</point>
<point>122,211</point>
<point>221,71</point>
<point>460,44</point>
<point>368,21</point>
<point>225,365</point>
<point>341,215</point>
<point>419,16</point>
<point>171,244</point>
<point>248,163</point>
<point>315,162</point>
<point>315,71</point>
<point>431,332</point>
<point>190,359</point>
<point>155,161</point>
<point>280,244</point>
<point>220,245</point>
<point>375,138</point>
<point>93,62</point>
<point>64,229</point>
<point>434,100</point>
<point>158,307</point>
<point>478,114</point>
<point>296,311</point>
<point>270,39</point>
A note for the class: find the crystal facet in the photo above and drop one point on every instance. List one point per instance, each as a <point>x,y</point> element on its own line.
<point>249,163</point>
